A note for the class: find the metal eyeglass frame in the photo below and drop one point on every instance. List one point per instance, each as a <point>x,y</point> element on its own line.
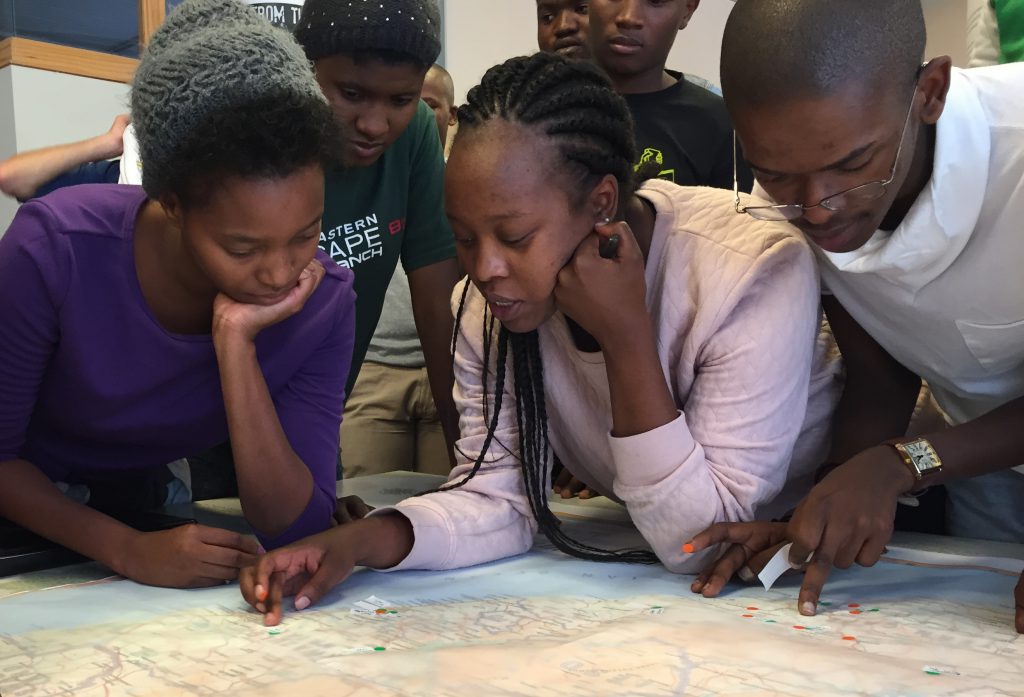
<point>870,191</point>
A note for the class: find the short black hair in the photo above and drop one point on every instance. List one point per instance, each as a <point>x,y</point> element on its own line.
<point>446,80</point>
<point>776,50</point>
<point>269,138</point>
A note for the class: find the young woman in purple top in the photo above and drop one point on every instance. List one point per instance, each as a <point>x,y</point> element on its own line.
<point>141,325</point>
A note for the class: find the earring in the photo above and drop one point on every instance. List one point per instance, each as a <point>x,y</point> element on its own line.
<point>607,219</point>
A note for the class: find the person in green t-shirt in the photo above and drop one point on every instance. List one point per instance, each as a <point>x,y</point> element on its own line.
<point>995,32</point>
<point>385,202</point>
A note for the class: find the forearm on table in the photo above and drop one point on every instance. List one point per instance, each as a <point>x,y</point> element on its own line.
<point>274,485</point>
<point>30,499</point>
<point>383,541</point>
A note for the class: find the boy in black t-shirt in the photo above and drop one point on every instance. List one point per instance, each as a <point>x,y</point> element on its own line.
<point>681,128</point>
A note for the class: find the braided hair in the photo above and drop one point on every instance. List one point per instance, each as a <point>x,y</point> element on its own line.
<point>574,105</point>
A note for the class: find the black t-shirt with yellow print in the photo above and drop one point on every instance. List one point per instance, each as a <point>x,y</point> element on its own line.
<point>686,132</point>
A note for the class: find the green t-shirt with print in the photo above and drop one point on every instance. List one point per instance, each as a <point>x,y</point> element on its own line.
<point>1011,29</point>
<point>391,210</point>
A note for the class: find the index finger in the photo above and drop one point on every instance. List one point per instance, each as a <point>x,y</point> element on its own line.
<point>814,581</point>
<point>226,538</point>
<point>272,604</point>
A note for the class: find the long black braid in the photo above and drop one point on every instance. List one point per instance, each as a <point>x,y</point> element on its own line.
<point>574,105</point>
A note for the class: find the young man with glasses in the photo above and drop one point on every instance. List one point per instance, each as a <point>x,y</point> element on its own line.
<point>916,219</point>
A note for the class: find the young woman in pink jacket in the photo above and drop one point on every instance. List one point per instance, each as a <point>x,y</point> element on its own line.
<point>663,347</point>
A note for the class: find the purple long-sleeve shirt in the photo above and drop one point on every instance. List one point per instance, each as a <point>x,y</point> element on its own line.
<point>91,383</point>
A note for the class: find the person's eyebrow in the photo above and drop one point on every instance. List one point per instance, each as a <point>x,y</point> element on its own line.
<point>838,164</point>
<point>242,238</point>
<point>495,217</point>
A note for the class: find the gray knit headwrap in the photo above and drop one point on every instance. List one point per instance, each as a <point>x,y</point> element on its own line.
<point>412,27</point>
<point>229,62</point>
<point>194,16</point>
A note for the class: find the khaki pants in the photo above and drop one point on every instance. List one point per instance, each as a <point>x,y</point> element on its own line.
<point>391,423</point>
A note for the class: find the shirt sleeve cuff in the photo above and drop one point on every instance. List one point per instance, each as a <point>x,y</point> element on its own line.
<point>648,458</point>
<point>432,537</point>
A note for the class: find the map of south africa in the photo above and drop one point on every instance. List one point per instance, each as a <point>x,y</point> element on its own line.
<point>888,630</point>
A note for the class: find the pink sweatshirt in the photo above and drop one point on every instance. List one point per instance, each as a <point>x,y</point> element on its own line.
<point>735,304</point>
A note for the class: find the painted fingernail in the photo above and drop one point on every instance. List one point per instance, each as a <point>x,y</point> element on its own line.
<point>808,609</point>
<point>260,591</point>
<point>302,602</point>
<point>688,548</point>
<point>260,550</point>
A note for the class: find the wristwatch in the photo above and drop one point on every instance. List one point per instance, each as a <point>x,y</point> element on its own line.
<point>919,456</point>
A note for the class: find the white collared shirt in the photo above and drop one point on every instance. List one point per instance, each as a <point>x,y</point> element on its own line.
<point>944,292</point>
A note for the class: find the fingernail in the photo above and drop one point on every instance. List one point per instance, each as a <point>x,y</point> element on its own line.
<point>688,548</point>
<point>808,609</point>
<point>301,603</point>
<point>260,591</point>
<point>260,550</point>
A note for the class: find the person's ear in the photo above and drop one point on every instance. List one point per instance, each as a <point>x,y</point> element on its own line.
<point>604,198</point>
<point>173,209</point>
<point>453,116</point>
<point>933,83</point>
<point>691,7</point>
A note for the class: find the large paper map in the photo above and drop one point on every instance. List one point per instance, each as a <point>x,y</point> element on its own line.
<point>541,624</point>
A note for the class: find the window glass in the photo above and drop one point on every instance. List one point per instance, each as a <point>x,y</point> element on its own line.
<point>109,26</point>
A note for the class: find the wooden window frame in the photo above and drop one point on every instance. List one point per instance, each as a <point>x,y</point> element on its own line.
<point>56,58</point>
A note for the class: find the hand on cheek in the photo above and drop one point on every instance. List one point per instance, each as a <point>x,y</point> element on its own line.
<point>604,295</point>
<point>246,320</point>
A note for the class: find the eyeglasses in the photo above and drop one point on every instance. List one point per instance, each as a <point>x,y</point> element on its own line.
<point>871,191</point>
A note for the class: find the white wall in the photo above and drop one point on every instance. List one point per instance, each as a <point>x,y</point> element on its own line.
<point>482,33</point>
<point>8,140</point>
<point>40,108</point>
<point>947,29</point>
<point>57,108</point>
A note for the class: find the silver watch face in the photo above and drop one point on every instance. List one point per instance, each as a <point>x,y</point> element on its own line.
<point>922,455</point>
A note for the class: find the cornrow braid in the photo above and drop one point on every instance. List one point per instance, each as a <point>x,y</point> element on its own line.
<point>591,126</point>
<point>573,103</point>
